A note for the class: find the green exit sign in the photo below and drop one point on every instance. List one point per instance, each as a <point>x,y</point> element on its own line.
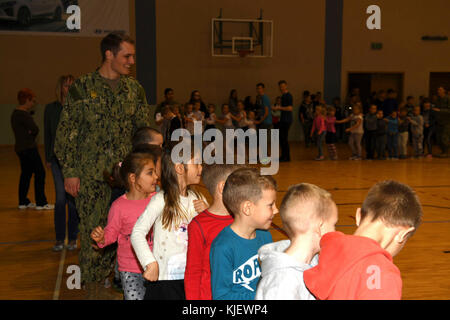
<point>377,46</point>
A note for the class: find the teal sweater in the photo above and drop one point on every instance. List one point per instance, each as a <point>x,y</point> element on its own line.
<point>235,269</point>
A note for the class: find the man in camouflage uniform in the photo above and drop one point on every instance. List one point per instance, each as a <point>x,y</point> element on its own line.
<point>443,121</point>
<point>102,112</point>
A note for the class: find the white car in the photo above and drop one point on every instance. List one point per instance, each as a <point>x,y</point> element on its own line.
<point>23,11</point>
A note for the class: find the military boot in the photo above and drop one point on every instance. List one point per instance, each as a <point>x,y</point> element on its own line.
<point>108,293</point>
<point>91,290</point>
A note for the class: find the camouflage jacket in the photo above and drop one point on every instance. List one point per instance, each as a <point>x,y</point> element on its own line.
<point>97,124</point>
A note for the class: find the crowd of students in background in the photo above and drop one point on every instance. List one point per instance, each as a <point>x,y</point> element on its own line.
<point>381,125</point>
<point>174,245</point>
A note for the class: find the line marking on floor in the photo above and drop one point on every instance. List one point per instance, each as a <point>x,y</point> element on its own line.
<point>60,273</point>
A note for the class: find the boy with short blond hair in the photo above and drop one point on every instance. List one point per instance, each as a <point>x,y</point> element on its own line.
<point>235,271</point>
<point>359,266</point>
<point>307,212</point>
<point>202,231</point>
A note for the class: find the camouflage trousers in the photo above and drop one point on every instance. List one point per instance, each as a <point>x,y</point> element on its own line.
<point>93,202</point>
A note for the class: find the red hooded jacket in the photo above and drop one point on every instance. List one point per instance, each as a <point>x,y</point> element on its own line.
<point>353,268</point>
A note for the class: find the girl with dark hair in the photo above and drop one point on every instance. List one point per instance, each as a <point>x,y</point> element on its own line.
<point>169,213</point>
<point>249,105</point>
<point>196,97</point>
<point>138,175</point>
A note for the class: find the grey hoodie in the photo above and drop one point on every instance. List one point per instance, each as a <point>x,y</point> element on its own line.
<point>281,274</point>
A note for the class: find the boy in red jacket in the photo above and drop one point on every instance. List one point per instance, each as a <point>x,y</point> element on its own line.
<point>202,230</point>
<point>359,266</point>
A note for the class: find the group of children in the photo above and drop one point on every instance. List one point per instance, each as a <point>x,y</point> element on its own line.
<point>172,244</point>
<point>381,132</point>
<point>174,117</point>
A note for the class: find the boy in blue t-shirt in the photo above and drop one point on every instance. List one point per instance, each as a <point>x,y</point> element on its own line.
<point>235,270</point>
<point>392,138</point>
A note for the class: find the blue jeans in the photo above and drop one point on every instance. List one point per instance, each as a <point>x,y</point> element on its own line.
<point>428,139</point>
<point>63,198</point>
<point>320,139</point>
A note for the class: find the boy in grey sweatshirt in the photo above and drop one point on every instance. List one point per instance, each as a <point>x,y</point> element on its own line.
<point>307,212</point>
<point>417,123</point>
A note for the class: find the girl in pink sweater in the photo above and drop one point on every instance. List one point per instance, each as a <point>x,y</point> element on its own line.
<point>319,130</point>
<point>138,174</point>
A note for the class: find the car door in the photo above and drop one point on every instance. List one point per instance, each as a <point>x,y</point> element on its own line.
<point>47,6</point>
<point>50,6</point>
<point>37,7</point>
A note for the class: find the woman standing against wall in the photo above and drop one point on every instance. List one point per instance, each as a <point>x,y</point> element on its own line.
<point>51,120</point>
<point>25,133</point>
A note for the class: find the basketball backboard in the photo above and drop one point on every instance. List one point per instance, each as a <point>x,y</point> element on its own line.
<point>229,36</point>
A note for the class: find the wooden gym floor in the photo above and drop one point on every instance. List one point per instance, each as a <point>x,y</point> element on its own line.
<point>30,270</point>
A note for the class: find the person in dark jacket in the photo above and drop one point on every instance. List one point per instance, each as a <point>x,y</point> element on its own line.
<point>381,137</point>
<point>51,120</point>
<point>285,120</point>
<point>429,125</point>
<point>25,132</point>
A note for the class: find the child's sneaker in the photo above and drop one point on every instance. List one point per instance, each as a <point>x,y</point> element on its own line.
<point>319,158</point>
<point>59,246</point>
<point>46,207</point>
<point>107,283</point>
<point>27,206</point>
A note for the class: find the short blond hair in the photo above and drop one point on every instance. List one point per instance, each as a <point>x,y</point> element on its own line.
<point>298,221</point>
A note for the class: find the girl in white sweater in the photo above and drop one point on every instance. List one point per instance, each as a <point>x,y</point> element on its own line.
<point>169,213</point>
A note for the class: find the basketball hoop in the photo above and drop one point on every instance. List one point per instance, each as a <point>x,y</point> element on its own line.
<point>244,53</point>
